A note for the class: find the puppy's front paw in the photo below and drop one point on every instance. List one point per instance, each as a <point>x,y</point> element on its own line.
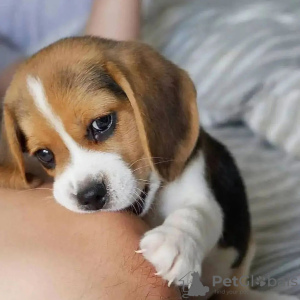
<point>173,253</point>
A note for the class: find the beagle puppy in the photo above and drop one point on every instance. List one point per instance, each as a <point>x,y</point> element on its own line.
<point>116,125</point>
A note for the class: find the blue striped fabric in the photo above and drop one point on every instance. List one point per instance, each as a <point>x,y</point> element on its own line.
<point>244,58</point>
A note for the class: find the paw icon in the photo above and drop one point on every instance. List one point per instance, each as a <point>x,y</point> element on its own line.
<point>261,281</point>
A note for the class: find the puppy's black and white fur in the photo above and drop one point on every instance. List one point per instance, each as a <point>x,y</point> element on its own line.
<point>204,211</point>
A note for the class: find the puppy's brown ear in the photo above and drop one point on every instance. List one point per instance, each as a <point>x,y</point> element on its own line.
<point>12,169</point>
<point>163,98</point>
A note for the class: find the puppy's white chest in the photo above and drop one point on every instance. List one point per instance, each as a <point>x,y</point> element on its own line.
<point>187,190</point>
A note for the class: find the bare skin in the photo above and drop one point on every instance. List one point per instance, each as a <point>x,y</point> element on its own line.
<point>48,252</point>
<point>117,19</point>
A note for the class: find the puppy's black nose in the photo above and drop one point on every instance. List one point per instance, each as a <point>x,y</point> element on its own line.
<point>93,197</point>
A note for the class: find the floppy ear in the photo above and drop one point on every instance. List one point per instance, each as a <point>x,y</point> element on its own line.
<point>163,98</point>
<point>12,169</point>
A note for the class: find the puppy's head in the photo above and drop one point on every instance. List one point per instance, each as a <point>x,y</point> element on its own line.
<point>108,120</point>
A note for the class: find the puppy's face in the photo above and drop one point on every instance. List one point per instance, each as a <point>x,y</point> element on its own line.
<point>87,138</point>
<point>76,111</point>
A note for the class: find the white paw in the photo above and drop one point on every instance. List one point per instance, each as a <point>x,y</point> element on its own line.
<point>173,253</point>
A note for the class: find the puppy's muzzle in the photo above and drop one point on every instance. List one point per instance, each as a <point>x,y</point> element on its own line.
<point>93,197</point>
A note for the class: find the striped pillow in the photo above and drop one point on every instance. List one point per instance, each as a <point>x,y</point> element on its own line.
<point>243,56</point>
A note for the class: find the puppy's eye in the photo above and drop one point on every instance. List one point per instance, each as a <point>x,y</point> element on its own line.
<point>102,124</point>
<point>101,128</point>
<point>46,157</point>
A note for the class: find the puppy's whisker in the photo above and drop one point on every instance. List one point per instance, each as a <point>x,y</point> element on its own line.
<point>149,182</point>
<point>140,198</point>
<point>138,193</point>
<point>157,163</point>
<point>140,168</point>
<point>144,158</point>
<point>141,191</point>
<point>135,209</point>
<point>163,161</point>
<point>139,204</point>
<point>144,180</point>
<point>137,161</point>
<point>138,189</point>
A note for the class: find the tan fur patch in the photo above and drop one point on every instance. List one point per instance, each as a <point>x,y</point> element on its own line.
<point>159,128</point>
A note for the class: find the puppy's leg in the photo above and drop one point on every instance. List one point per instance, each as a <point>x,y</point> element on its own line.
<point>242,291</point>
<point>192,227</point>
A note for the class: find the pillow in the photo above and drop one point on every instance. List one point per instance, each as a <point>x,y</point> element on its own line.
<point>243,57</point>
<point>274,112</point>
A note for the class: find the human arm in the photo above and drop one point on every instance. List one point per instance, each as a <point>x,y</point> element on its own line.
<point>115,19</point>
<point>48,252</point>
